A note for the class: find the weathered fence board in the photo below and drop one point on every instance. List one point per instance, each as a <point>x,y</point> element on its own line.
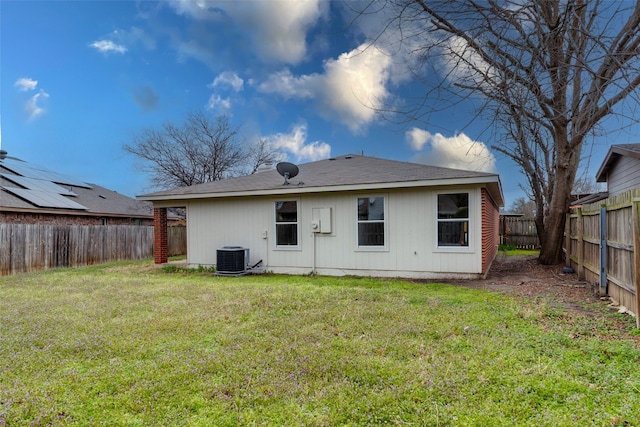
<point>612,266</point>
<point>519,232</point>
<point>177,240</point>
<point>32,247</point>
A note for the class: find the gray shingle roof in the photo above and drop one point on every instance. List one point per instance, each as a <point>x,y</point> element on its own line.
<point>332,175</point>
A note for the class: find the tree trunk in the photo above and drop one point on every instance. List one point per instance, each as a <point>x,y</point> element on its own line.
<point>555,216</point>
<point>551,249</point>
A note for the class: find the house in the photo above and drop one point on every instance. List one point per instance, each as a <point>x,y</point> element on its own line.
<point>31,194</point>
<point>348,215</point>
<point>620,168</point>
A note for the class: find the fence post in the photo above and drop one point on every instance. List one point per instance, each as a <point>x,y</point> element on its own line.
<point>603,250</point>
<point>567,240</point>
<point>580,247</point>
<point>636,255</point>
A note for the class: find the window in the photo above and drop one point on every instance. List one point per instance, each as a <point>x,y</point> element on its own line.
<point>287,223</point>
<point>453,219</point>
<point>371,221</point>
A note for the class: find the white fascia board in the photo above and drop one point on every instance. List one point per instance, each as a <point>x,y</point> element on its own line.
<point>294,189</point>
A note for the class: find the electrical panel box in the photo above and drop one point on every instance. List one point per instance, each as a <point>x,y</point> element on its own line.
<point>321,220</point>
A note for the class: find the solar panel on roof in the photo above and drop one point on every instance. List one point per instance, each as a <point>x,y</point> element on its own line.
<point>45,200</point>
<point>38,172</point>
<point>38,184</point>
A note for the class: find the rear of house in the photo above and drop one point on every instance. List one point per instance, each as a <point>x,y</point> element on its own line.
<point>351,215</point>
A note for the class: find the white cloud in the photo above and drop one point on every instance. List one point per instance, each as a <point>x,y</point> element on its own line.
<point>462,63</point>
<point>295,143</point>
<point>107,46</point>
<point>118,40</point>
<point>216,102</point>
<point>458,152</point>
<point>404,45</point>
<point>278,28</point>
<point>285,84</point>
<point>228,78</point>
<point>356,85</point>
<point>33,106</point>
<point>25,84</point>
<point>33,109</point>
<point>350,91</point>
<point>196,8</point>
<point>418,138</point>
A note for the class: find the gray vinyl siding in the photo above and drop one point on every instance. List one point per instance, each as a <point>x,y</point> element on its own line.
<point>410,236</point>
<point>624,176</point>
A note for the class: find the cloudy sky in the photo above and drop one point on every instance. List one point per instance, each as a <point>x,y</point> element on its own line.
<point>78,79</point>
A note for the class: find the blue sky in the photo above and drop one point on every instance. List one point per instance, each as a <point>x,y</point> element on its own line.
<point>78,79</point>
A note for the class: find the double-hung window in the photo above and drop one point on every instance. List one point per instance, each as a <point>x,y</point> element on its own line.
<point>371,221</point>
<point>286,223</point>
<point>453,219</point>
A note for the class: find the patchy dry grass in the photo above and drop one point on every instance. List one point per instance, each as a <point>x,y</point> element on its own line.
<point>129,344</point>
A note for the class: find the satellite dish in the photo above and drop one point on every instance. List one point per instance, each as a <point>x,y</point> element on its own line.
<point>287,170</point>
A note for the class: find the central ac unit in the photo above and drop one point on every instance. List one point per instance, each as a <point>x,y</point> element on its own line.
<point>232,260</point>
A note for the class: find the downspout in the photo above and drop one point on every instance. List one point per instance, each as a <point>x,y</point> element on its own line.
<point>314,253</point>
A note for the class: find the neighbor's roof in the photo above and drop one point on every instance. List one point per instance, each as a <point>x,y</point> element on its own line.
<point>588,199</point>
<point>614,153</point>
<point>25,187</point>
<point>344,173</point>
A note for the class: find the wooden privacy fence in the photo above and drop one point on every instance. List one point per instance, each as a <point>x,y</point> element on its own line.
<point>32,247</point>
<point>602,243</point>
<point>177,237</point>
<point>519,232</point>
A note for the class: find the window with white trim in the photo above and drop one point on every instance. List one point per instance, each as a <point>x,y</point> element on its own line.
<point>370,220</point>
<point>286,223</point>
<point>453,219</point>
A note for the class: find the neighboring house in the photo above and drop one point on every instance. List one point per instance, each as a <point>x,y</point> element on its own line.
<point>620,168</point>
<point>345,215</point>
<point>31,194</point>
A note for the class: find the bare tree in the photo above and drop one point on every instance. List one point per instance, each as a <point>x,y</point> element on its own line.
<point>523,206</point>
<point>261,153</point>
<point>202,149</point>
<point>585,185</point>
<point>545,72</point>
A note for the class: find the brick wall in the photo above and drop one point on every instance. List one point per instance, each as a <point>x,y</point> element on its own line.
<point>161,238</point>
<point>490,230</point>
<point>58,219</point>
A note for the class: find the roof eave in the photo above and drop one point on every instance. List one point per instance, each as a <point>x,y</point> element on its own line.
<point>607,164</point>
<point>291,189</point>
<point>614,153</point>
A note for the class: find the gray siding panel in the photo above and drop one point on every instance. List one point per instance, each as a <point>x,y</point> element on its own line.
<point>410,235</point>
<point>624,176</point>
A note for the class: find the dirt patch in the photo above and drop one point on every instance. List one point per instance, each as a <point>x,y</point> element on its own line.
<point>524,276</point>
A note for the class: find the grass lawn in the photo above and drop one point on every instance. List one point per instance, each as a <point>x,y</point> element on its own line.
<point>511,250</point>
<point>130,345</point>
